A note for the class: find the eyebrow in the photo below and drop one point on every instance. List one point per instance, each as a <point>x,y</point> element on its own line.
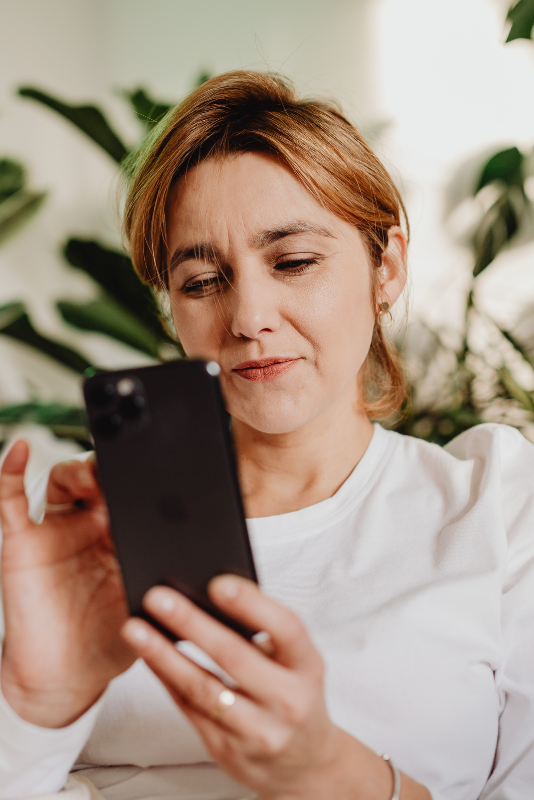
<point>267,237</point>
<point>207,252</point>
<point>201,252</point>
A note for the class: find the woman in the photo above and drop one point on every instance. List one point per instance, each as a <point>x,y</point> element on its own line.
<point>397,578</point>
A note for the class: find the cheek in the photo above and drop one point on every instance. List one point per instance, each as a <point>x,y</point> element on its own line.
<point>337,315</point>
<point>197,328</point>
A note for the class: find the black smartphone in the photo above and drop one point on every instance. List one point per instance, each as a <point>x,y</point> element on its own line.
<point>165,461</point>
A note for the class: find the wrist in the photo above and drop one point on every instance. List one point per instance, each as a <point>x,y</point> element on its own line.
<point>358,773</point>
<point>45,709</point>
<point>348,771</point>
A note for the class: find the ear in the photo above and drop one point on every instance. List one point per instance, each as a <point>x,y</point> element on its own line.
<point>393,271</point>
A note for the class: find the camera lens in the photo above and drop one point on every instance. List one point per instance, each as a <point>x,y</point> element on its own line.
<point>110,424</point>
<point>132,406</point>
<point>102,393</point>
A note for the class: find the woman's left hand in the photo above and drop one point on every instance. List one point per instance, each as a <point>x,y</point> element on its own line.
<point>273,734</point>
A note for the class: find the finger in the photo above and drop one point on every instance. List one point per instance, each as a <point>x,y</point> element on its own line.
<point>263,641</point>
<point>209,729</point>
<point>13,501</point>
<point>258,739</point>
<point>244,601</point>
<point>72,480</point>
<point>198,688</point>
<point>252,670</point>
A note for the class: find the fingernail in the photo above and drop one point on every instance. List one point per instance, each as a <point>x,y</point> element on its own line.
<point>226,586</point>
<point>136,632</point>
<point>261,637</point>
<point>161,598</point>
<point>85,479</point>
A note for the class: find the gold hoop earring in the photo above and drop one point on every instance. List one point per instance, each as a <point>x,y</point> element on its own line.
<point>383,312</point>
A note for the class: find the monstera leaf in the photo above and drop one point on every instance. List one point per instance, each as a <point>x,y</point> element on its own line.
<point>148,110</point>
<point>15,323</point>
<point>506,170</point>
<point>88,119</point>
<point>17,210</point>
<point>12,178</point>
<point>114,272</point>
<point>17,205</point>
<point>521,15</point>
<point>506,166</point>
<point>497,227</point>
<point>67,422</point>
<point>104,315</point>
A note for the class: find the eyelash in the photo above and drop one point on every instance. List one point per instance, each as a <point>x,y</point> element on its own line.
<point>296,267</point>
<point>198,286</point>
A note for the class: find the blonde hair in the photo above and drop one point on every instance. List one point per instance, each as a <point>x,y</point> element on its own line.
<point>246,111</point>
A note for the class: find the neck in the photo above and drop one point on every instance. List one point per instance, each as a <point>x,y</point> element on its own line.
<point>288,471</point>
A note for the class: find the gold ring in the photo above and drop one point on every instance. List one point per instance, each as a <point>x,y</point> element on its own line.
<point>225,700</point>
<point>64,508</point>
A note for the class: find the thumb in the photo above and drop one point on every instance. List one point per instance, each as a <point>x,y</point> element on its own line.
<point>13,500</point>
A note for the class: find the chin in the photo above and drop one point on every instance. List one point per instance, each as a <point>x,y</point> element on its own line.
<point>276,418</point>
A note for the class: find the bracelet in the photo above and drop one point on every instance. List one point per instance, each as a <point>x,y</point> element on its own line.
<point>396,778</point>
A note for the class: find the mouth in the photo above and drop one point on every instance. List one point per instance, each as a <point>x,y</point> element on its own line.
<point>265,369</point>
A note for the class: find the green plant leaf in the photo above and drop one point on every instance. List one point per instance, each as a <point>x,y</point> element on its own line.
<point>202,77</point>
<point>88,119</point>
<point>43,414</point>
<point>516,392</point>
<point>148,110</point>
<point>105,315</point>
<point>114,272</point>
<point>497,227</point>
<point>517,346</point>
<point>505,166</point>
<point>17,210</point>
<point>15,323</point>
<point>12,178</point>
<point>68,422</point>
<point>521,15</point>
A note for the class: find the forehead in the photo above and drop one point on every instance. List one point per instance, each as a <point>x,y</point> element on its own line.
<point>238,196</point>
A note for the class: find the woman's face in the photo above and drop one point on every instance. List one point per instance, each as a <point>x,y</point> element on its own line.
<point>271,285</point>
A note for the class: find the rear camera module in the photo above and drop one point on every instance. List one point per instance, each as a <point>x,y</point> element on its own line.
<point>110,424</point>
<point>103,393</point>
<point>132,406</point>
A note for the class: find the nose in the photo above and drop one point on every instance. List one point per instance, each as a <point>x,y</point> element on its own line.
<point>253,306</point>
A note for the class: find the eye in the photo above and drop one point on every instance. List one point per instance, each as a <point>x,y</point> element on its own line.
<point>202,285</point>
<point>295,266</point>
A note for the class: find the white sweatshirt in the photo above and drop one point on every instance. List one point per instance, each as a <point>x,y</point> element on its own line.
<point>416,582</point>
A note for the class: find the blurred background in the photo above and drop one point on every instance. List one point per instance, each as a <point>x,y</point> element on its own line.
<point>442,91</point>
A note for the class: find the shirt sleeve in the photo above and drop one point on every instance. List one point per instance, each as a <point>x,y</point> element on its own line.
<point>35,760</point>
<point>512,777</point>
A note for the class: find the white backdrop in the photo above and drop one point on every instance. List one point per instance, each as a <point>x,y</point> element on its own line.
<point>451,88</point>
<point>87,50</point>
<point>437,71</point>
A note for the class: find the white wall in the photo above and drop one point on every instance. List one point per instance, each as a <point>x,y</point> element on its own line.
<point>87,50</point>
<point>323,44</point>
<point>451,88</point>
<point>438,71</point>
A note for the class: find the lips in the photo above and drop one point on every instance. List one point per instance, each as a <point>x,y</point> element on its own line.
<point>265,369</point>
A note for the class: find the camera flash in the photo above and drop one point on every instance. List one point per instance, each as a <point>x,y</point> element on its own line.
<point>213,368</point>
<point>125,387</point>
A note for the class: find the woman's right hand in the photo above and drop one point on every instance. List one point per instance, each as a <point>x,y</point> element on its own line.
<point>64,601</point>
